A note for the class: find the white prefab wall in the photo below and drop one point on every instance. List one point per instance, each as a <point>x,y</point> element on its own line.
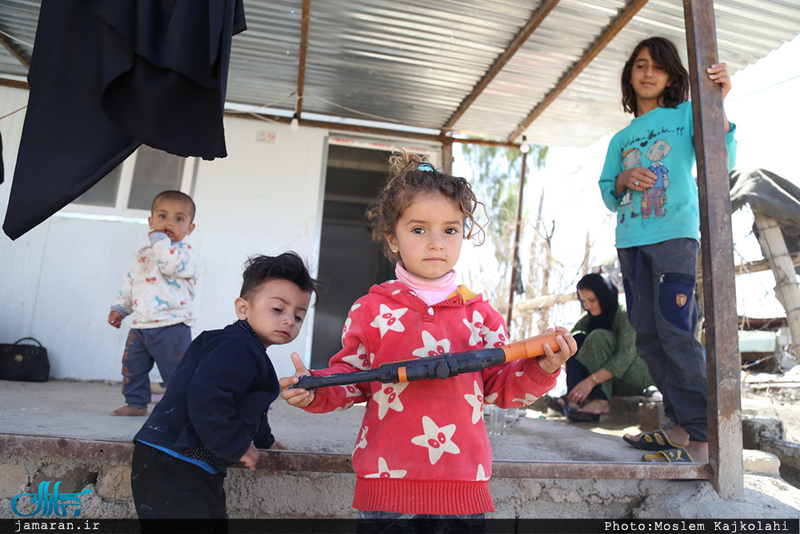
<point>58,280</point>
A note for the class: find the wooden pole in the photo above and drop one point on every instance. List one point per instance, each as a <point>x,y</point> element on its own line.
<point>722,342</point>
<point>786,288</point>
<point>517,229</point>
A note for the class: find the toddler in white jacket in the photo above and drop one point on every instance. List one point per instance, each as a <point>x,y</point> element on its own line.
<point>159,291</point>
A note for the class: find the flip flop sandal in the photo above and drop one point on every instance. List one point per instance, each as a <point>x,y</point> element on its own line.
<point>656,440</point>
<point>678,455</point>
<point>559,404</point>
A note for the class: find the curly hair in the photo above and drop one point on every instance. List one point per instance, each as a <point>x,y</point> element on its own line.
<point>406,181</point>
<point>664,53</point>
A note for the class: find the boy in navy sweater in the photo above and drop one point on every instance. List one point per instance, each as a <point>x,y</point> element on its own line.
<point>214,412</point>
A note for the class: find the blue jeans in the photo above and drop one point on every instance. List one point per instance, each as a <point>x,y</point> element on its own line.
<point>388,522</point>
<point>659,285</point>
<point>145,346</point>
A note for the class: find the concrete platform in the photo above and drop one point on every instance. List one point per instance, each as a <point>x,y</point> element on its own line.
<point>545,468</point>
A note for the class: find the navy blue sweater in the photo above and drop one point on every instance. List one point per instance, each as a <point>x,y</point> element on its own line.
<point>223,385</point>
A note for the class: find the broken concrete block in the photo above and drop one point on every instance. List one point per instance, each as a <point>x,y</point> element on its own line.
<point>114,483</point>
<point>761,463</point>
<point>757,430</point>
<point>13,480</point>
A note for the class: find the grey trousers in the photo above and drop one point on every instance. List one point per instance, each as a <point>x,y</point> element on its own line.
<point>163,346</point>
<point>659,283</point>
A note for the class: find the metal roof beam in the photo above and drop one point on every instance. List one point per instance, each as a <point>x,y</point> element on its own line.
<point>20,56</point>
<point>616,26</point>
<point>520,39</point>
<point>369,130</point>
<point>301,68</point>
<point>16,84</point>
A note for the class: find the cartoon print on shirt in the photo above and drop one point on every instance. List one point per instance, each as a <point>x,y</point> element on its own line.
<point>481,474</point>
<point>431,346</point>
<point>438,440</point>
<point>359,360</point>
<point>653,199</point>
<point>389,397</point>
<point>630,158</point>
<point>385,472</point>
<point>494,338</point>
<point>389,319</point>
<point>362,439</point>
<point>475,327</point>
<point>476,401</point>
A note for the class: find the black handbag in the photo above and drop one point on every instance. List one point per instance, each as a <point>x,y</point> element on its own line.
<point>24,362</point>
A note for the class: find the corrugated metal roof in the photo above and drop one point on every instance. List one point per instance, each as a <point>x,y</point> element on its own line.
<point>414,62</point>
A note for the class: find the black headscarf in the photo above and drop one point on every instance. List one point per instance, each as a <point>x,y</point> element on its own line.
<point>607,296</point>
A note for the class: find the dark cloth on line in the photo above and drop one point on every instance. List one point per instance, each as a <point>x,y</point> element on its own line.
<point>106,77</point>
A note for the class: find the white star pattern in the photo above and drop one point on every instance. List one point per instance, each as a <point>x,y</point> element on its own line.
<point>489,399</point>
<point>346,327</point>
<point>476,401</point>
<point>389,397</point>
<point>437,440</point>
<point>432,347</point>
<point>475,328</point>
<point>389,319</point>
<point>359,359</point>
<point>385,472</point>
<point>481,474</point>
<point>345,407</point>
<point>527,400</point>
<point>494,338</point>
<point>351,390</point>
<point>349,320</point>
<point>362,439</point>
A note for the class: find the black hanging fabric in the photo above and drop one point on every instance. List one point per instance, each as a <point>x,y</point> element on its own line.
<point>106,77</point>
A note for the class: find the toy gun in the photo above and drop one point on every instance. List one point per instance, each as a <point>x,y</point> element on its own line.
<point>443,366</point>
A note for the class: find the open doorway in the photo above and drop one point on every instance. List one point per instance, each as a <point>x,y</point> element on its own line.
<point>349,262</point>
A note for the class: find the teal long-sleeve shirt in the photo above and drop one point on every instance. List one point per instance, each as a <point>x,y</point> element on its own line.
<point>662,141</point>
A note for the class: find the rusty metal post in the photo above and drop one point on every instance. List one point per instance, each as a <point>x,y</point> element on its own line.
<point>722,346</point>
<point>517,231</point>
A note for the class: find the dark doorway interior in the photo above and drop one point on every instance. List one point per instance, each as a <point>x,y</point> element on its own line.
<point>349,262</point>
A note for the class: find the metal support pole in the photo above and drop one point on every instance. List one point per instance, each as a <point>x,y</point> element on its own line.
<point>722,346</point>
<point>517,230</point>
<point>447,157</point>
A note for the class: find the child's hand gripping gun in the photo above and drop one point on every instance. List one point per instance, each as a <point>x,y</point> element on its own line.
<point>443,366</point>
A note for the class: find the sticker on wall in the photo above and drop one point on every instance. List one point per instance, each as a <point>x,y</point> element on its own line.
<point>265,137</point>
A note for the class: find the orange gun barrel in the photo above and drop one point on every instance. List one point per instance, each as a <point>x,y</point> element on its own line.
<point>530,347</point>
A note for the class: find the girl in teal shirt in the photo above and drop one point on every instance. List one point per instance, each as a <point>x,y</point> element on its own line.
<point>648,176</point>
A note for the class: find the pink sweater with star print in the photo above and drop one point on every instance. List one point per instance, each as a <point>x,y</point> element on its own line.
<point>423,446</point>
